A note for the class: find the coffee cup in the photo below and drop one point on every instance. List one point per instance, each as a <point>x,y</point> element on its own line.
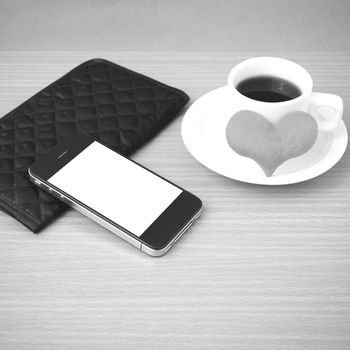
<point>274,86</point>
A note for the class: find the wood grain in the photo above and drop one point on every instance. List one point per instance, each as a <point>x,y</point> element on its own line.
<point>264,267</point>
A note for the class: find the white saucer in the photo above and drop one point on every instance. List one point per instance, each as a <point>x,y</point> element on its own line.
<point>203,132</point>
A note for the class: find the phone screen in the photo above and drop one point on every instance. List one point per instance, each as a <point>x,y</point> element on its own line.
<point>122,191</point>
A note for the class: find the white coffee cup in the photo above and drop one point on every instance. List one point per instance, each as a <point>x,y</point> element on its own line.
<point>327,109</point>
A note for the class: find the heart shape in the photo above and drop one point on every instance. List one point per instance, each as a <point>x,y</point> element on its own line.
<point>249,134</point>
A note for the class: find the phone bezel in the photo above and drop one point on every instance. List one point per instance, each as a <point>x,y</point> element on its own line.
<point>160,234</point>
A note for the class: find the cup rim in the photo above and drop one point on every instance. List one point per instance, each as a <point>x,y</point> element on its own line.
<point>248,61</point>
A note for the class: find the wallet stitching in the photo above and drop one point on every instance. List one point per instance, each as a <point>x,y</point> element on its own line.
<point>86,63</point>
<point>15,206</point>
<point>178,94</point>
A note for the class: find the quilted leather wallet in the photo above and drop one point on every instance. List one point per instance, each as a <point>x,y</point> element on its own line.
<point>118,107</point>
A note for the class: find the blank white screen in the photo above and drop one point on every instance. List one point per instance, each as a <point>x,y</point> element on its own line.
<point>117,188</point>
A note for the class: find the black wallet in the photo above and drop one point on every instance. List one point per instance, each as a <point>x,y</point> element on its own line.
<point>116,106</point>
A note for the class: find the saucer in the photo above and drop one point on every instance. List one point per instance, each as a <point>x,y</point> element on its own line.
<point>204,135</point>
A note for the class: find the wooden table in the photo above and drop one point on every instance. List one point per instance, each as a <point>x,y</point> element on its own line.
<point>264,267</point>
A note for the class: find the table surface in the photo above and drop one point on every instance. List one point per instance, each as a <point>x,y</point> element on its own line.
<point>263,268</point>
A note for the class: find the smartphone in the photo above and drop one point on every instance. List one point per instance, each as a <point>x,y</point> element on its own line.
<point>133,202</point>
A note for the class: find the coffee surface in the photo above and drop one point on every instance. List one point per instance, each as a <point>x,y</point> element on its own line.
<point>268,89</point>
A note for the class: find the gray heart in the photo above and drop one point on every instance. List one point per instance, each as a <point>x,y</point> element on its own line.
<point>249,134</point>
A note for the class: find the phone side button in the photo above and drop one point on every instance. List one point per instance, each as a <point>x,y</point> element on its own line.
<point>57,194</point>
<point>63,198</point>
<point>37,182</point>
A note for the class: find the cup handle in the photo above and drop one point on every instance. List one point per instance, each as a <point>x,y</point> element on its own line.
<point>327,109</point>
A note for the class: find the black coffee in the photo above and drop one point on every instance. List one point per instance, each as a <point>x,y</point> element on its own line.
<point>268,89</point>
